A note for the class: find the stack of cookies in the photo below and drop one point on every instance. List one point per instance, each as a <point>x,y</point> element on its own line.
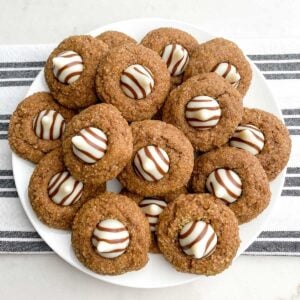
<point>165,117</point>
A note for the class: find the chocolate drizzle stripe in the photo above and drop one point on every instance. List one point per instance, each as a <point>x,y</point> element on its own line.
<point>170,57</point>
<point>142,167</point>
<point>127,86</point>
<point>68,55</point>
<point>62,127</point>
<point>95,135</point>
<point>101,228</point>
<point>200,100</point>
<point>198,238</point>
<point>236,139</point>
<point>133,79</point>
<point>115,250</point>
<point>66,66</point>
<point>198,120</point>
<point>63,200</point>
<point>151,216</point>
<point>227,71</point>
<point>51,133</point>
<point>72,75</point>
<point>86,153</point>
<point>53,193</point>
<point>234,182</point>
<point>189,231</point>
<point>91,143</point>
<point>158,167</point>
<point>114,241</point>
<point>209,241</point>
<point>175,67</point>
<point>201,108</point>
<point>147,204</point>
<point>162,157</point>
<point>221,182</point>
<point>58,177</point>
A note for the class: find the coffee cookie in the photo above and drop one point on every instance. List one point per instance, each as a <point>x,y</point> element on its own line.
<point>264,135</point>
<point>135,80</point>
<point>174,46</point>
<point>162,159</point>
<point>224,58</point>
<point>97,144</point>
<point>206,108</point>
<point>236,177</point>
<point>71,69</point>
<point>152,208</point>
<point>54,193</point>
<point>198,234</point>
<point>110,235</point>
<point>36,126</point>
<point>115,38</point>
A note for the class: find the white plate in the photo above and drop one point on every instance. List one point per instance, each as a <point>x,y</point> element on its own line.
<point>158,272</point>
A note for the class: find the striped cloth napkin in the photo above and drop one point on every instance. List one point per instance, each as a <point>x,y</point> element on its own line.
<point>279,60</point>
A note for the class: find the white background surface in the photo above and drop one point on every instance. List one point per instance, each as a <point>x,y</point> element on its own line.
<point>47,276</point>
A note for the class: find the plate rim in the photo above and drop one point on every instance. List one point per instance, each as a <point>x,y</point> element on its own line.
<point>105,278</point>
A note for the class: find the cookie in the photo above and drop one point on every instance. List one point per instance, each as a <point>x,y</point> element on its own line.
<point>224,58</point>
<point>206,108</point>
<point>115,38</point>
<point>54,194</point>
<point>97,144</point>
<point>135,80</point>
<point>71,68</point>
<point>37,125</point>
<point>175,47</point>
<point>198,234</point>
<point>236,177</point>
<point>265,136</point>
<point>162,159</point>
<point>110,235</point>
<point>152,207</point>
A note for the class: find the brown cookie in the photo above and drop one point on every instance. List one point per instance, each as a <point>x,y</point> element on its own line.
<point>55,195</point>
<point>162,159</point>
<point>97,144</point>
<point>236,177</point>
<point>115,38</point>
<point>71,79</point>
<point>265,136</point>
<point>174,46</point>
<point>198,234</point>
<point>206,108</point>
<point>152,208</point>
<point>135,80</point>
<point>123,249</point>
<point>224,58</point>
<point>36,126</point>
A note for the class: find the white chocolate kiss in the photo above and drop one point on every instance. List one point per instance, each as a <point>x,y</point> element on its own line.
<point>137,81</point>
<point>229,72</point>
<point>198,239</point>
<point>110,238</point>
<point>152,208</point>
<point>151,163</point>
<point>203,112</point>
<point>176,57</point>
<point>64,190</point>
<point>249,138</point>
<point>90,144</point>
<point>224,184</point>
<point>49,125</point>
<point>67,66</point>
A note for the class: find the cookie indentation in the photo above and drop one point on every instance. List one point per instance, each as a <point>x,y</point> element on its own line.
<point>49,125</point>
<point>248,137</point>
<point>151,163</point>
<point>63,189</point>
<point>137,81</point>
<point>90,144</point>
<point>198,239</point>
<point>67,66</point>
<point>224,184</point>
<point>110,238</point>
<point>203,112</point>
<point>176,57</point>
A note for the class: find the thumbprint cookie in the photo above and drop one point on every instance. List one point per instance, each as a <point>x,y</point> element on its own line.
<point>111,235</point>
<point>97,144</point>
<point>162,159</point>
<point>37,125</point>
<point>55,195</point>
<point>224,58</point>
<point>70,70</point>
<point>236,177</point>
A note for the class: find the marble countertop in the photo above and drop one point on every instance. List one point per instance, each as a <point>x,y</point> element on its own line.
<point>47,276</point>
